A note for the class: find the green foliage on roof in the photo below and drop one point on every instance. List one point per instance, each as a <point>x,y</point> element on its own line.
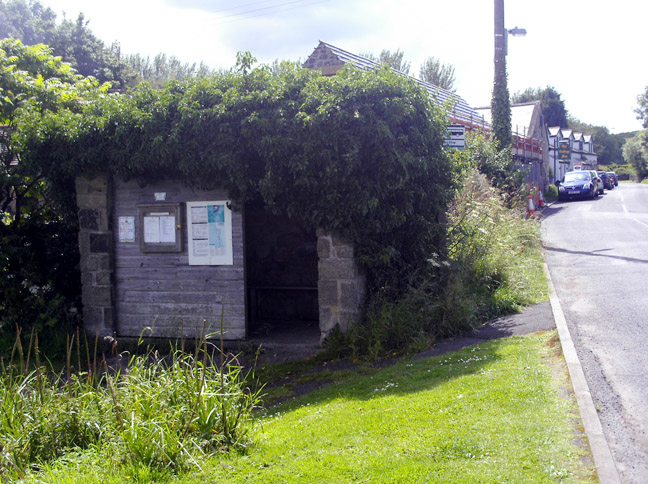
<point>360,153</point>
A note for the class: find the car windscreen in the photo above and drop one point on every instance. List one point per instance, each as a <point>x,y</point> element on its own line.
<point>572,177</point>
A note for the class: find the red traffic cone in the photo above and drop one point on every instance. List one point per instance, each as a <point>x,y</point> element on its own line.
<point>540,199</point>
<point>530,207</point>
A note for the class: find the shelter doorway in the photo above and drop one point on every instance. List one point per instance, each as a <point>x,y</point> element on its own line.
<point>282,273</point>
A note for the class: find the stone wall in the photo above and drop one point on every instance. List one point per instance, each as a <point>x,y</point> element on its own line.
<point>341,285</point>
<point>324,60</point>
<point>96,249</point>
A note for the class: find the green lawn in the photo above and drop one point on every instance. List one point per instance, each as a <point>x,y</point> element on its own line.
<point>499,412</point>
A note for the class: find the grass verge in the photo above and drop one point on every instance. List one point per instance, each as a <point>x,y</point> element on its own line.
<point>496,412</point>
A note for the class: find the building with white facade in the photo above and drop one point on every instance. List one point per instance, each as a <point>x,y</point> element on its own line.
<point>569,150</point>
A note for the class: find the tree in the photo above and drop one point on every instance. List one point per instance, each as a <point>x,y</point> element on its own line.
<point>75,42</point>
<point>38,280</point>
<point>553,106</point>
<point>29,21</point>
<point>496,165</point>
<point>635,151</point>
<point>642,109</point>
<point>395,60</point>
<point>34,24</point>
<point>435,72</point>
<point>163,69</point>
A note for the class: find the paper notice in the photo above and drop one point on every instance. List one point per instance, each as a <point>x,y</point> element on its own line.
<point>152,230</point>
<point>167,230</point>
<point>199,231</point>
<point>127,229</point>
<point>199,214</point>
<point>201,248</point>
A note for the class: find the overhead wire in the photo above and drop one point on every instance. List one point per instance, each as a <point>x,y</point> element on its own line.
<point>264,11</point>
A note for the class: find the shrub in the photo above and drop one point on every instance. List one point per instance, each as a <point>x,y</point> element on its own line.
<point>493,267</point>
<point>495,255</point>
<point>359,154</point>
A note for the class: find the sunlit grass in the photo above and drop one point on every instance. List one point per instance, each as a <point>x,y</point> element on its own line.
<point>496,412</point>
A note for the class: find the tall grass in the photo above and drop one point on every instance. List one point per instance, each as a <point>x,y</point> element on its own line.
<point>493,267</point>
<point>158,412</point>
<point>495,253</point>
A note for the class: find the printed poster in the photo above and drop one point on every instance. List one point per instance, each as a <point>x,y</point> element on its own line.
<point>210,233</point>
<point>127,229</point>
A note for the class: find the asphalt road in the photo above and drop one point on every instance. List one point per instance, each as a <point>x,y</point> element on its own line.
<point>597,253</point>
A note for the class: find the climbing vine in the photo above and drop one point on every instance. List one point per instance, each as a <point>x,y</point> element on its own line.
<point>360,153</point>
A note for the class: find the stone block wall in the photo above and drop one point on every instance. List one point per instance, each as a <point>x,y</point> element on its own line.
<point>324,60</point>
<point>96,250</point>
<point>341,285</point>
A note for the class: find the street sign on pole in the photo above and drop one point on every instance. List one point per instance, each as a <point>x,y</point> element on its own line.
<point>456,137</point>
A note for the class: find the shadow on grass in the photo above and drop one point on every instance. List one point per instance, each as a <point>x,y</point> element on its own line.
<point>403,377</point>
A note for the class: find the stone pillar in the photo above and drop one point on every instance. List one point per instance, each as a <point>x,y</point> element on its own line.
<point>96,248</point>
<point>341,286</point>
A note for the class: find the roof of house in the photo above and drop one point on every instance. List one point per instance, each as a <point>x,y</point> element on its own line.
<point>330,59</point>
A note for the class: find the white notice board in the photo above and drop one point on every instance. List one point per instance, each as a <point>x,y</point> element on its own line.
<point>209,233</point>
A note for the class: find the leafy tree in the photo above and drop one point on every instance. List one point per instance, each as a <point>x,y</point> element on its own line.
<point>435,72</point>
<point>163,69</point>
<point>635,151</point>
<point>553,106</point>
<point>38,279</point>
<point>75,42</point>
<point>497,165</point>
<point>29,21</point>
<point>395,60</point>
<point>32,23</point>
<point>642,109</point>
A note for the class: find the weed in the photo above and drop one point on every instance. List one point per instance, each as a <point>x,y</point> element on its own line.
<point>159,414</point>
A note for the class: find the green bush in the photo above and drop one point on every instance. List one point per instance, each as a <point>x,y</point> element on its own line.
<point>360,154</point>
<point>495,254</point>
<point>551,193</point>
<point>494,267</point>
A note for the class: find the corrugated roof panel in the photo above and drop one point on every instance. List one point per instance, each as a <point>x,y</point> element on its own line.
<point>460,108</point>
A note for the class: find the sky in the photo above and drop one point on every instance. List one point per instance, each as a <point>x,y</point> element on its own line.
<point>588,50</point>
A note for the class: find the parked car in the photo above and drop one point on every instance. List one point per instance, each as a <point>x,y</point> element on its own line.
<point>615,179</point>
<point>578,184</point>
<point>599,182</point>
<point>607,181</point>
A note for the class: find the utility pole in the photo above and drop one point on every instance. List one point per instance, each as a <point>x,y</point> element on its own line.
<point>501,103</point>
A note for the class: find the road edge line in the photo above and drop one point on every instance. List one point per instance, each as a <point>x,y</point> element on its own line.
<point>603,460</point>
